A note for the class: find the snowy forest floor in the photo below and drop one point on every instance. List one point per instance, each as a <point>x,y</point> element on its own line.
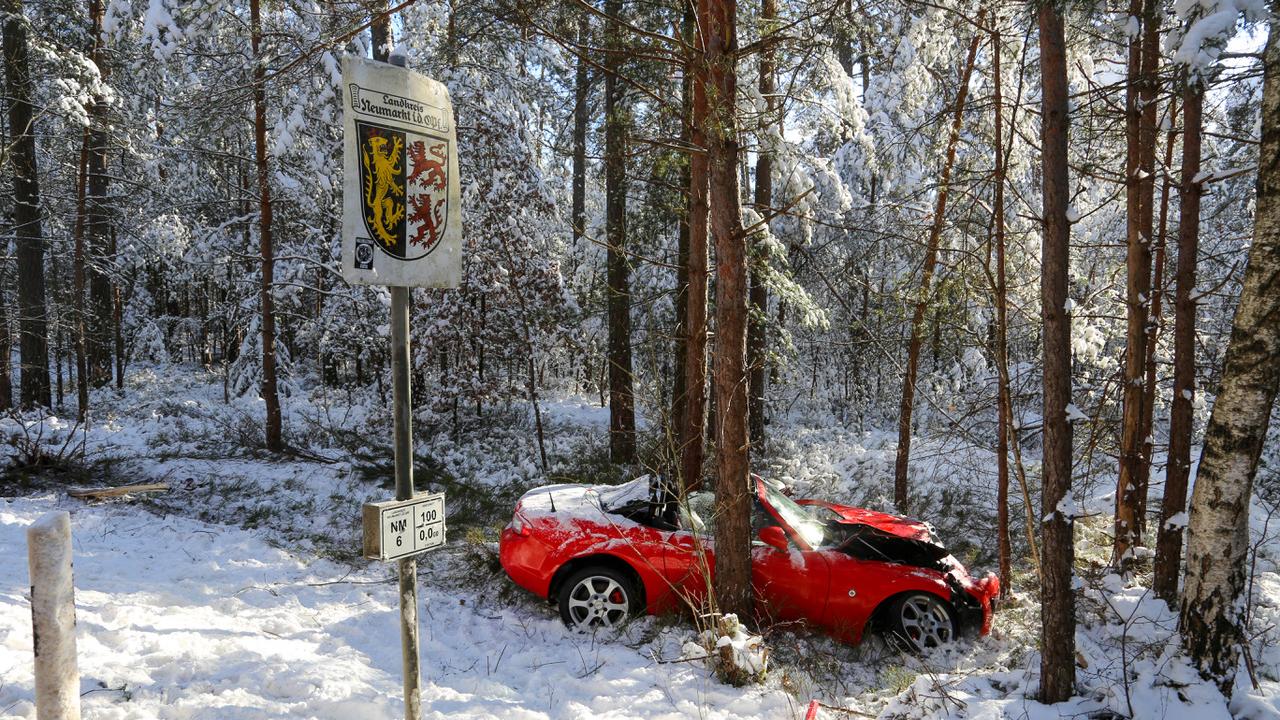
<point>240,594</point>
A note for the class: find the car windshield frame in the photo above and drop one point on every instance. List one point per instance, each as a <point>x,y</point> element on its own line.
<point>804,527</point>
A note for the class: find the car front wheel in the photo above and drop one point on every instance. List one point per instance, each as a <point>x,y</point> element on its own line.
<point>597,597</point>
<point>921,622</point>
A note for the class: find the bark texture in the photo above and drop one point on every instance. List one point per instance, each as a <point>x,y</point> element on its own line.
<point>33,342</point>
<point>1158,292</point>
<point>98,218</point>
<point>1057,614</point>
<point>78,286</point>
<point>733,488</point>
<point>622,415</point>
<point>757,340</point>
<point>1003,410</point>
<point>679,384</point>
<point>580,116</point>
<point>1178,469</point>
<point>1140,133</point>
<point>266,246</point>
<point>1218,536</point>
<point>6,341</point>
<point>693,422</point>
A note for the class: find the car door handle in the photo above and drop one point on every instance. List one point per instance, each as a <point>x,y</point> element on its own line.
<point>684,543</point>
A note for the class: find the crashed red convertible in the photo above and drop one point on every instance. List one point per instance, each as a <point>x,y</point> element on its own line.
<point>605,553</point>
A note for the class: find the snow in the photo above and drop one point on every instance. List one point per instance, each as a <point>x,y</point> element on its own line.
<point>236,595</point>
<point>180,618</point>
<point>1074,413</point>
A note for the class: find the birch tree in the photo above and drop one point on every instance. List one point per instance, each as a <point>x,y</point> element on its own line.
<point>1212,622</point>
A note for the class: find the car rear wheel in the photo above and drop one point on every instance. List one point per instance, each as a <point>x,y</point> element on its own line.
<point>597,597</point>
<point>920,622</point>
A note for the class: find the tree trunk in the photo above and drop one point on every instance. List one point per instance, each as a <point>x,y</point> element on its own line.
<point>679,382</point>
<point>733,479</point>
<point>98,218</point>
<point>1178,468</point>
<point>622,416</point>
<point>1140,135</point>
<point>78,300</point>
<point>1218,536</point>
<point>1155,323</point>
<point>32,313</point>
<point>117,321</point>
<point>1003,406</point>
<point>693,423</point>
<point>581,90</point>
<point>380,32</point>
<point>843,36</point>
<point>905,408</point>
<point>275,441</point>
<point>1057,614</point>
<point>6,347</point>
<point>757,340</point>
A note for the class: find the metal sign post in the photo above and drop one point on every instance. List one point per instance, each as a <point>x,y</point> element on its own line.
<point>403,421</point>
<point>402,227</point>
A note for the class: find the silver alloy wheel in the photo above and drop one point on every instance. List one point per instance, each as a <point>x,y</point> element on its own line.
<point>925,622</point>
<point>598,600</point>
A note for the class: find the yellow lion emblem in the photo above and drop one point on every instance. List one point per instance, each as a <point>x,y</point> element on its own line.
<point>381,187</point>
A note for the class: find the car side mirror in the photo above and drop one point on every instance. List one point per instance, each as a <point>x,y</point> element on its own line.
<point>774,537</point>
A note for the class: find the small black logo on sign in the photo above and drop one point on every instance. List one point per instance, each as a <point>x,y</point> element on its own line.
<point>364,254</point>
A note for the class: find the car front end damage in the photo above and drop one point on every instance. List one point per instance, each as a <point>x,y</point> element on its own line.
<point>897,540</point>
<point>974,600</point>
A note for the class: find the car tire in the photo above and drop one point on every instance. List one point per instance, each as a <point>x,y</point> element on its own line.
<point>920,621</point>
<point>598,597</point>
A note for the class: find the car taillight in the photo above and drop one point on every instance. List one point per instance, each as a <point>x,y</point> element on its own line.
<point>520,524</point>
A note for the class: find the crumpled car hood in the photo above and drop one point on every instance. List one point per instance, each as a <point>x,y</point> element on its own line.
<point>892,524</point>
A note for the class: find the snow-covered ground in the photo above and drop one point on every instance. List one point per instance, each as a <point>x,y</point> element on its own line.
<point>183,619</point>
<point>238,594</point>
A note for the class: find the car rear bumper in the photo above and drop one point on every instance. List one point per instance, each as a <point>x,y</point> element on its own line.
<point>526,561</point>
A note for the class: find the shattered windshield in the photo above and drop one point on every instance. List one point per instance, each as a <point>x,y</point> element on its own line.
<point>801,519</point>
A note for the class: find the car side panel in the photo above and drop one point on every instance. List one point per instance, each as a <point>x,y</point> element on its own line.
<point>688,563</point>
<point>858,587</point>
<point>638,546</point>
<point>552,539</point>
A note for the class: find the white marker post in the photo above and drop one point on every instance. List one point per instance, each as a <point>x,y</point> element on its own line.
<point>401,227</point>
<point>53,617</point>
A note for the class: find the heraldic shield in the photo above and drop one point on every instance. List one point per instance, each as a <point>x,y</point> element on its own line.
<point>404,178</point>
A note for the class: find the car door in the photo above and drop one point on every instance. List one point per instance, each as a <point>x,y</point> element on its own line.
<point>791,585</point>
<point>854,592</point>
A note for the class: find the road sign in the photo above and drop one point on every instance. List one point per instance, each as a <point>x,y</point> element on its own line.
<point>399,528</point>
<point>402,208</point>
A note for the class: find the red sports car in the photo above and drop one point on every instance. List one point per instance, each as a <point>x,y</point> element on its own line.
<point>605,553</point>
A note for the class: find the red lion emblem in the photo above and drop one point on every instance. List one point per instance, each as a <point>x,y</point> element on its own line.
<point>428,173</point>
